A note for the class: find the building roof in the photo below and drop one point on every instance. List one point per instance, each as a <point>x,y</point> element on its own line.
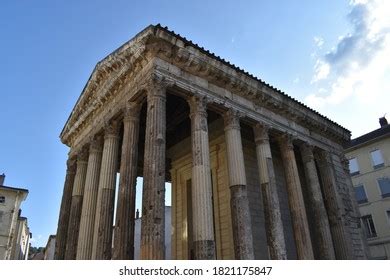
<point>153,29</point>
<point>228,63</point>
<point>14,189</point>
<point>368,137</point>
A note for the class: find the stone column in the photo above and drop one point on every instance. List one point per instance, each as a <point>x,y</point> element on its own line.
<point>63,220</point>
<point>102,238</point>
<point>273,217</point>
<point>295,199</point>
<point>239,204</point>
<point>202,206</point>
<point>87,222</point>
<point>342,245</point>
<point>124,224</point>
<point>153,196</point>
<point>358,231</point>
<point>323,236</point>
<point>77,202</point>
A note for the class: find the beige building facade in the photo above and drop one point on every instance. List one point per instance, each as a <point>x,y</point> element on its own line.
<point>14,231</point>
<point>369,158</point>
<point>255,174</point>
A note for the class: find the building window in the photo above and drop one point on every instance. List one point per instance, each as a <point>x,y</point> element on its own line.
<point>360,194</point>
<point>2,199</point>
<point>353,166</point>
<point>377,159</point>
<point>369,226</point>
<point>388,215</point>
<point>384,185</point>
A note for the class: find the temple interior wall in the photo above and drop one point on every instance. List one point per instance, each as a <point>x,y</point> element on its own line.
<point>180,154</point>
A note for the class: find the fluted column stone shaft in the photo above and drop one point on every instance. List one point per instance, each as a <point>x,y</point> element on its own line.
<point>273,217</point>
<point>355,214</point>
<point>295,200</point>
<point>102,238</point>
<point>124,224</point>
<point>201,194</point>
<point>63,220</point>
<point>342,245</point>
<point>323,237</point>
<point>153,196</point>
<point>239,204</point>
<point>88,212</point>
<point>76,205</point>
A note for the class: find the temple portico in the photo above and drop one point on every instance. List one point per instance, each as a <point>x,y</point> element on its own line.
<point>255,174</point>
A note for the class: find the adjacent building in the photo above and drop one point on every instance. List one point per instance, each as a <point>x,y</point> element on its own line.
<point>14,230</point>
<point>168,232</point>
<point>50,247</point>
<point>369,164</point>
<point>255,174</point>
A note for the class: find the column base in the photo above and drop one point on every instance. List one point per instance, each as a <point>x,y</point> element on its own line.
<point>204,250</point>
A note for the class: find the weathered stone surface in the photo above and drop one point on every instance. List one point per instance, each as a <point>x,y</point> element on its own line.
<point>241,219</point>
<point>295,199</point>
<point>273,217</point>
<point>204,250</point>
<point>332,200</point>
<point>124,225</point>
<point>359,240</point>
<point>88,212</point>
<point>323,237</point>
<point>202,207</point>
<point>76,205</point>
<point>63,220</point>
<point>164,56</point>
<point>153,195</point>
<point>102,238</point>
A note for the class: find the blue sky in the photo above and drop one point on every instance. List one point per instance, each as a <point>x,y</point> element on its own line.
<point>332,55</point>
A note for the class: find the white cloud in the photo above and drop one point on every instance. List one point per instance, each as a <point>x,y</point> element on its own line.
<point>296,80</point>
<point>321,70</point>
<point>359,66</point>
<point>318,41</point>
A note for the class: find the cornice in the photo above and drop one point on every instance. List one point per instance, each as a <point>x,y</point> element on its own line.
<point>107,77</point>
<point>195,60</point>
<point>117,69</point>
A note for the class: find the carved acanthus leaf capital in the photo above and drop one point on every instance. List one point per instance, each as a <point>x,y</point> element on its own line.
<point>198,105</point>
<point>111,128</point>
<point>232,119</point>
<point>261,132</point>
<point>307,152</point>
<point>96,144</point>
<point>286,141</point>
<point>156,86</point>
<point>131,111</point>
<point>344,162</point>
<point>323,157</point>
<point>82,156</point>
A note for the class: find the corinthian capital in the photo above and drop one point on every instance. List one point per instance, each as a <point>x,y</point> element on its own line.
<point>111,129</point>
<point>156,85</point>
<point>198,105</point>
<point>286,141</point>
<point>307,152</point>
<point>82,156</point>
<point>232,119</point>
<point>131,111</point>
<point>261,133</point>
<point>95,144</point>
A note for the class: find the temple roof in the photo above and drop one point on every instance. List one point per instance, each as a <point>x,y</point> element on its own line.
<point>152,30</point>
